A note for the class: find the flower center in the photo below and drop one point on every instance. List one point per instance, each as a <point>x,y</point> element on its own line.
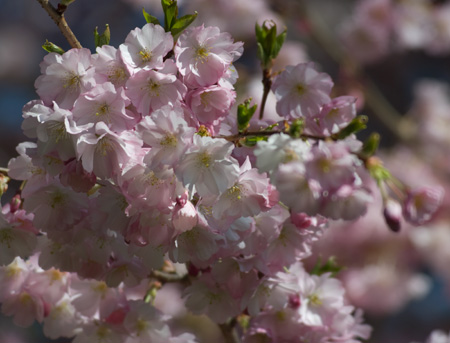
<point>204,159</point>
<point>153,88</point>
<point>315,300</point>
<point>102,110</point>
<point>58,131</point>
<point>146,55</point>
<point>300,89</point>
<point>57,198</point>
<point>234,193</point>
<point>117,74</point>
<point>72,81</point>
<point>202,54</point>
<point>169,140</point>
<point>104,146</point>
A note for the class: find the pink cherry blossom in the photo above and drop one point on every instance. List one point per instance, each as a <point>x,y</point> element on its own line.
<point>208,166</point>
<point>301,91</point>
<point>168,135</point>
<point>146,47</point>
<point>422,204</point>
<point>204,54</point>
<point>65,77</point>
<point>150,90</point>
<point>210,104</point>
<point>102,103</point>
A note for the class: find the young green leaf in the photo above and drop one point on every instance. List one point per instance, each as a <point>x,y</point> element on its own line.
<point>269,44</point>
<point>356,125</point>
<point>278,43</point>
<point>50,47</point>
<point>149,18</point>
<point>102,39</point>
<point>245,114</point>
<point>66,2</point>
<point>296,128</point>
<point>253,140</point>
<point>370,145</point>
<point>170,9</point>
<point>330,266</point>
<point>182,23</point>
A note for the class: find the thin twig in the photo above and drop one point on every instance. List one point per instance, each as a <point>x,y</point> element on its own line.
<point>167,277</point>
<point>237,137</point>
<point>4,171</point>
<point>267,82</point>
<point>58,17</point>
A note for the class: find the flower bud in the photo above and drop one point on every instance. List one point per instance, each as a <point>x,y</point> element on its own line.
<point>15,203</point>
<point>393,214</point>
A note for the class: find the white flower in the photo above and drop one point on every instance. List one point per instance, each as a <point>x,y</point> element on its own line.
<point>208,166</point>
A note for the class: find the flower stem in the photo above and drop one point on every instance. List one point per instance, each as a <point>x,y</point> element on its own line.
<point>58,17</point>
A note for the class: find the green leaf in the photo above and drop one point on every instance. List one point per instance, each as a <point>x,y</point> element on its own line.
<point>170,9</point>
<point>370,146</point>
<point>245,114</point>
<point>296,128</point>
<point>259,33</point>
<point>356,125</point>
<point>279,41</point>
<point>252,140</point>
<point>102,39</point>
<point>149,18</point>
<point>182,23</point>
<point>66,2</point>
<point>260,52</point>
<point>330,266</point>
<point>50,47</point>
<point>269,44</point>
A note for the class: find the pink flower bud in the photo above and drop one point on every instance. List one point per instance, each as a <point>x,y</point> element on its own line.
<point>294,301</point>
<point>393,214</point>
<point>15,203</point>
<point>301,220</point>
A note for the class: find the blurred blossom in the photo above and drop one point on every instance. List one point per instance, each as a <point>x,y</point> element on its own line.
<point>234,16</point>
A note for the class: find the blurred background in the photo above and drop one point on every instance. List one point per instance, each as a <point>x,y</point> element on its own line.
<point>394,56</point>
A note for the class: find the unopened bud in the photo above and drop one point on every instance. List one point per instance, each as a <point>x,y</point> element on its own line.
<point>294,301</point>
<point>393,214</point>
<point>15,203</point>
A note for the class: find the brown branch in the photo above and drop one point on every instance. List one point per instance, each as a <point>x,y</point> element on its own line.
<point>58,17</point>
<point>267,82</point>
<point>237,137</point>
<point>165,277</point>
<point>4,171</point>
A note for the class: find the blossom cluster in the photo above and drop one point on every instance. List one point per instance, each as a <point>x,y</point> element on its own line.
<point>138,167</point>
<point>378,27</point>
